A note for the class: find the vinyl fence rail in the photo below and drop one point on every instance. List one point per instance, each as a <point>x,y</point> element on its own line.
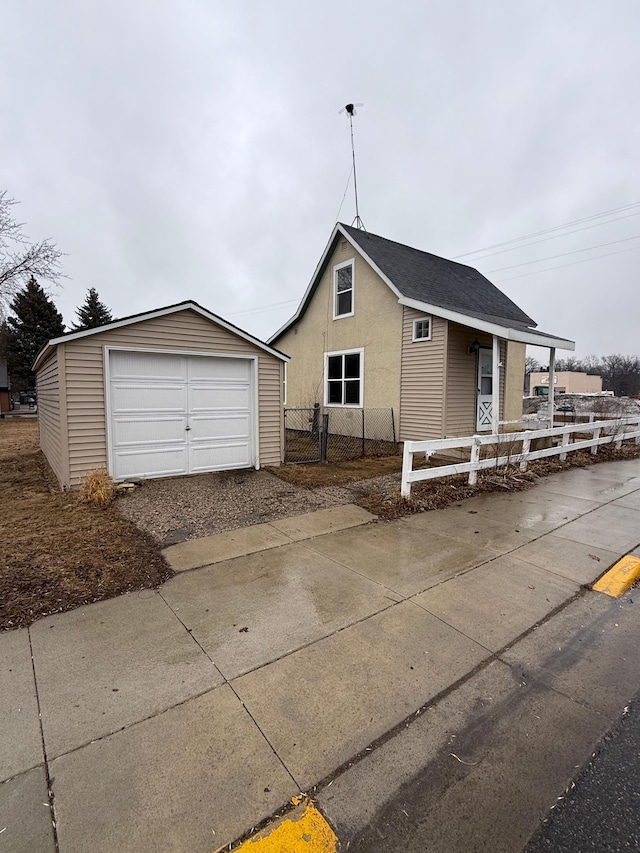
<point>511,447</point>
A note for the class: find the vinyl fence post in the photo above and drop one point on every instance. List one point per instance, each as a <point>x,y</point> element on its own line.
<point>407,464</point>
<point>596,436</point>
<point>526,447</point>
<point>566,438</point>
<point>475,458</point>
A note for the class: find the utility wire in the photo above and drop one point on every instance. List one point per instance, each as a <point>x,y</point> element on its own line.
<point>549,230</point>
<point>555,237</point>
<point>508,242</point>
<point>564,254</point>
<point>262,308</point>
<point>570,264</point>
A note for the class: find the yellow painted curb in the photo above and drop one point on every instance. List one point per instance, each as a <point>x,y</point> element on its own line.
<point>303,831</point>
<point>619,577</point>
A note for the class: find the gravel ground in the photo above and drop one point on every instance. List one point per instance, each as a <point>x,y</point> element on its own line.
<point>180,508</point>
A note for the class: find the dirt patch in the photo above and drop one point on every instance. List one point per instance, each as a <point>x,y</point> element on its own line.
<point>56,553</point>
<point>313,476</point>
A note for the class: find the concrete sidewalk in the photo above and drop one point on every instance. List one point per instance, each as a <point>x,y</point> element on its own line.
<point>178,719</point>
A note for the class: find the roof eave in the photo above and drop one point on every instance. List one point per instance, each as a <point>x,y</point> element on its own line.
<point>150,315</point>
<point>523,336</point>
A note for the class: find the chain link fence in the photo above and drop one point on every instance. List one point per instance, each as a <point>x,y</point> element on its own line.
<point>338,434</point>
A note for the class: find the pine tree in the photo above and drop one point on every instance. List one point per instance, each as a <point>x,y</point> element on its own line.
<point>92,312</point>
<point>36,321</point>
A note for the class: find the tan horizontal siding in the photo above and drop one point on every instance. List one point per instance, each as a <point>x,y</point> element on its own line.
<point>462,379</point>
<point>185,331</point>
<point>48,391</point>
<point>422,379</point>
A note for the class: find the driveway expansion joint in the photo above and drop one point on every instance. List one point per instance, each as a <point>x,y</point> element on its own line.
<point>45,764</point>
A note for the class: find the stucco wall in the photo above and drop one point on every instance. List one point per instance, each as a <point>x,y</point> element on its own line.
<point>376,326</point>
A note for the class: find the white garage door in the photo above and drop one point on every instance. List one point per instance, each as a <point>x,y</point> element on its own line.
<point>177,414</point>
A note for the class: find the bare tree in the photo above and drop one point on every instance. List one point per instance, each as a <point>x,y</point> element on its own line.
<point>20,259</point>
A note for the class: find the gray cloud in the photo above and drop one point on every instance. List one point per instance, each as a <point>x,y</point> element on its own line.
<point>194,150</point>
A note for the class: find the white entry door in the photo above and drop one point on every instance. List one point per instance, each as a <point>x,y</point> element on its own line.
<point>178,414</point>
<point>484,405</point>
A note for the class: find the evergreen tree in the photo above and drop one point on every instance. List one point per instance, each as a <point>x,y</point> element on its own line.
<point>36,321</point>
<point>92,312</point>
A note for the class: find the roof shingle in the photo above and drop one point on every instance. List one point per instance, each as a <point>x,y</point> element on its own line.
<point>438,281</point>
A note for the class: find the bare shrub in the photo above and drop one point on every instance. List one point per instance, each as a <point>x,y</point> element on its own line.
<point>97,489</point>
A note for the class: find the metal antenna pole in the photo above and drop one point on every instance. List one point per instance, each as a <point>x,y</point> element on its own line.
<point>350,108</point>
<point>357,221</point>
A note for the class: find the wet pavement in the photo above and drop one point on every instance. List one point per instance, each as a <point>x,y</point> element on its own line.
<point>181,718</point>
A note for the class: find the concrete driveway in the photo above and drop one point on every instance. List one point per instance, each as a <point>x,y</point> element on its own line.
<point>180,718</point>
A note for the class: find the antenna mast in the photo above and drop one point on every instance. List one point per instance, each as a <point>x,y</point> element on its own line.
<point>351,111</point>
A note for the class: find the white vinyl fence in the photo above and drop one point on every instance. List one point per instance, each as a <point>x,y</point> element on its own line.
<point>511,447</point>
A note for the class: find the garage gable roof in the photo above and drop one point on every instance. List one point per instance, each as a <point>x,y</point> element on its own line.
<point>150,315</point>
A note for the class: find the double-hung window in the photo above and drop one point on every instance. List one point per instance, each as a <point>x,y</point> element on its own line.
<point>343,290</point>
<point>343,378</point>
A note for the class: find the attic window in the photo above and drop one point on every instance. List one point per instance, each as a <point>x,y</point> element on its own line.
<point>422,329</point>
<point>343,290</point>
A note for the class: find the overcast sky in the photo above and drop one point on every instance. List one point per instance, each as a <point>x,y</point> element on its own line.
<point>193,149</point>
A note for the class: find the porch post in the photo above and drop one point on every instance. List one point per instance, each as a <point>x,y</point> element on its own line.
<point>495,387</point>
<point>552,383</point>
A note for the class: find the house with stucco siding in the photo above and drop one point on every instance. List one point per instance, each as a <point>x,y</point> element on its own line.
<point>384,325</point>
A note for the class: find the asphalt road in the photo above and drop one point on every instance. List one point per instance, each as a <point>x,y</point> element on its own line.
<point>602,812</point>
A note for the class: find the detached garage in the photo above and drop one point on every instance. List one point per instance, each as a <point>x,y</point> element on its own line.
<point>170,392</point>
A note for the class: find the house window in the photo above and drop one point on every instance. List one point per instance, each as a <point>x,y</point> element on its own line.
<point>422,329</point>
<point>343,290</point>
<point>343,378</point>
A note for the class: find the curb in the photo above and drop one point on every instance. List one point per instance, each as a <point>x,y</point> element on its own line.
<point>620,577</point>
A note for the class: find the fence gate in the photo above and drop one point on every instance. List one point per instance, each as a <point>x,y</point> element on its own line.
<point>303,435</point>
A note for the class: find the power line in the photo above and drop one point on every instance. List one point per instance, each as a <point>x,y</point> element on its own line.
<point>555,237</point>
<point>507,242</point>
<point>571,264</point>
<point>549,230</point>
<point>564,254</point>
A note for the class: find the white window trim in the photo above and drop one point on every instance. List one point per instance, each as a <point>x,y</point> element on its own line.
<point>350,263</point>
<point>357,405</point>
<point>418,320</point>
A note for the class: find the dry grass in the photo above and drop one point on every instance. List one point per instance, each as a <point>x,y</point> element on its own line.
<point>56,552</point>
<point>98,489</point>
<point>316,475</point>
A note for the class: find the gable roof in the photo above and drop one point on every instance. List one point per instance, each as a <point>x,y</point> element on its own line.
<point>438,281</point>
<point>435,285</point>
<point>150,315</point>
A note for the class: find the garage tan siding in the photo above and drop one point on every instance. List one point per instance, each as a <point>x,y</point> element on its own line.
<point>462,379</point>
<point>186,331</point>
<point>49,427</point>
<point>423,384</point>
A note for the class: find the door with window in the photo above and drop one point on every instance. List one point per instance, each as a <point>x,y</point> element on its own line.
<point>484,404</point>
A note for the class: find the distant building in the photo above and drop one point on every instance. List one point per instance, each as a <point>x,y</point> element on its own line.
<point>5,400</point>
<point>566,382</point>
